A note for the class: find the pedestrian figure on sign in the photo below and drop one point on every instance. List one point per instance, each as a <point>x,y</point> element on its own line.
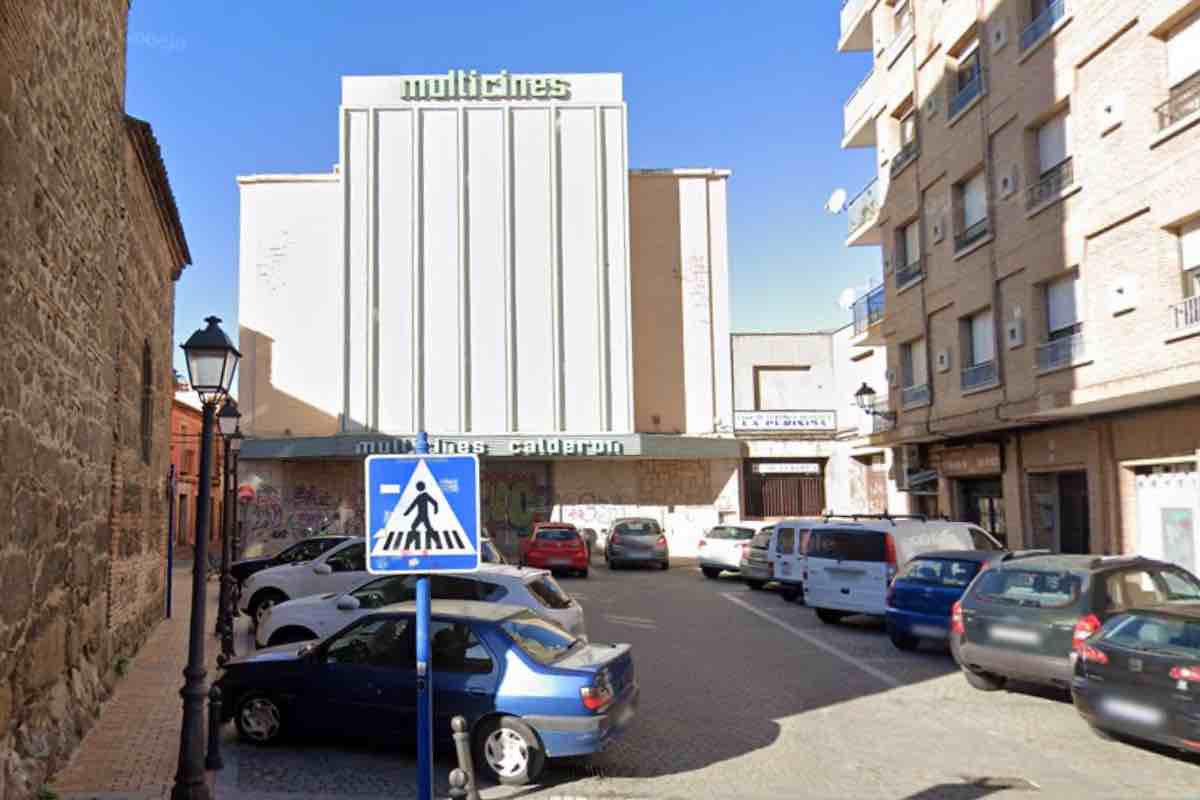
<point>421,503</point>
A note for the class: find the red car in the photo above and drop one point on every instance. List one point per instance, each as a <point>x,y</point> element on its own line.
<point>555,546</point>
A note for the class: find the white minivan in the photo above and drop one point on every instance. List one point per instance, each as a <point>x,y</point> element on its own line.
<point>788,543</point>
<point>849,562</point>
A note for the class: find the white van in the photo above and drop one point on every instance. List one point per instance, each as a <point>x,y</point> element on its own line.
<point>849,562</point>
<point>788,543</point>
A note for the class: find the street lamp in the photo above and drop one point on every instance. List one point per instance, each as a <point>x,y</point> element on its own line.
<point>865,397</point>
<point>211,361</point>
<point>228,421</point>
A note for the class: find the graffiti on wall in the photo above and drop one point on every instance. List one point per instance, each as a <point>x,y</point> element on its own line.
<point>274,518</point>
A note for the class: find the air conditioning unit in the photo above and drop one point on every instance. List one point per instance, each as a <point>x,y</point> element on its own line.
<point>999,34</point>
<point>942,360</point>
<point>937,228</point>
<point>1008,181</point>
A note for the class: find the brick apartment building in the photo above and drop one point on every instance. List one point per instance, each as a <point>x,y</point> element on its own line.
<point>1037,205</point>
<point>187,420</point>
<point>91,246</point>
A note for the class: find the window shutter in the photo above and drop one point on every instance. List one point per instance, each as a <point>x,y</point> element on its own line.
<point>1189,245</point>
<point>917,368</point>
<point>1183,51</point>
<point>908,128</point>
<point>983,340</point>
<point>912,243</point>
<point>974,200</point>
<point>1062,303</point>
<point>1052,142</point>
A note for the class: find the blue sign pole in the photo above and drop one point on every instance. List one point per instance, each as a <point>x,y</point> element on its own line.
<point>424,674</point>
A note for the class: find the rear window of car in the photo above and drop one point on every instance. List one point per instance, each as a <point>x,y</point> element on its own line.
<point>542,641</point>
<point>1131,588</point>
<point>1032,588</point>
<point>637,527</point>
<point>762,539</point>
<point>549,593</point>
<point>740,534</point>
<point>847,546</point>
<point>1154,632</point>
<point>557,535</point>
<point>939,571</point>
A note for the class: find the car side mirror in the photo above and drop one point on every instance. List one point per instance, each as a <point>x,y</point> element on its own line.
<point>348,603</point>
<point>307,651</point>
<point>322,569</point>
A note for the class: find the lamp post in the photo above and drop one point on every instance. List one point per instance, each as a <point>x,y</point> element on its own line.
<point>212,361</point>
<point>229,421</point>
<point>865,397</point>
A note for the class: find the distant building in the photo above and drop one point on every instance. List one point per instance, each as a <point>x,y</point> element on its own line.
<point>186,424</point>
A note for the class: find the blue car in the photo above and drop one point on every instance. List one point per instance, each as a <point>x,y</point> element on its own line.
<point>528,689</point>
<point>924,590</point>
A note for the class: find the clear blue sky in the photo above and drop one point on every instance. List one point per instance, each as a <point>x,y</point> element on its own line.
<point>757,87</point>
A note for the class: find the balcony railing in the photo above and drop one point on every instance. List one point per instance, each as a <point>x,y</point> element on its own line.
<point>912,396</point>
<point>1035,30</point>
<point>1052,183</point>
<point>859,104</point>
<point>1061,352</point>
<point>864,206</point>
<point>850,10</point>
<point>908,154</point>
<point>880,422</point>
<point>906,28</point>
<point>1184,100</point>
<point>978,375</point>
<point>868,310</point>
<point>1187,314</point>
<point>910,272</point>
<point>968,92</point>
<point>971,234</point>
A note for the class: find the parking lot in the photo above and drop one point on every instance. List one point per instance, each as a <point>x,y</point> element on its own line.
<point>747,696</point>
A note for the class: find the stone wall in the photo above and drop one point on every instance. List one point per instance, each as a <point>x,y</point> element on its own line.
<point>85,285</point>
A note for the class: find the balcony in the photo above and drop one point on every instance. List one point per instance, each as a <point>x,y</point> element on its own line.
<point>856,25</point>
<point>868,310</point>
<point>1038,29</point>
<point>1051,185</point>
<point>858,115</point>
<point>877,421</point>
<point>909,273</point>
<point>903,36</point>
<point>971,234</point>
<point>908,154</point>
<point>965,95</point>
<point>1184,101</point>
<point>1186,315</point>
<point>1058,353</point>
<point>863,213</point>
<point>914,396</point>
<point>978,376</point>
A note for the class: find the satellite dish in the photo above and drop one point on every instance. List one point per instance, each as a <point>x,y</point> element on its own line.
<point>836,202</point>
<point>846,299</point>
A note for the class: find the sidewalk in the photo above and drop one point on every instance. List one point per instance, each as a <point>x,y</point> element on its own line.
<point>133,749</point>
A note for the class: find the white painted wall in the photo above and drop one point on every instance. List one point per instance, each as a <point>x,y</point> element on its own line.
<point>816,391</point>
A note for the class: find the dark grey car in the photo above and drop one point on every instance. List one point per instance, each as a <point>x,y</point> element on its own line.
<point>637,540</point>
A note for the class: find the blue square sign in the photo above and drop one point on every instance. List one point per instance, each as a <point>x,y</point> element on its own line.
<point>422,514</point>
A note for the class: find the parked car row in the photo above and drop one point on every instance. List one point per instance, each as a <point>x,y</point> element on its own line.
<point>1121,633</point>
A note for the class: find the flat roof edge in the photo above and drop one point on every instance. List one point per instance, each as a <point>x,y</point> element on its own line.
<point>285,177</point>
<point>685,172</point>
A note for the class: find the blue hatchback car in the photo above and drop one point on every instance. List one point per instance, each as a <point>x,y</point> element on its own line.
<point>924,590</point>
<point>528,689</point>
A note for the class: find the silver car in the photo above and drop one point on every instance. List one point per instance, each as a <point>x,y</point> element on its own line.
<point>755,567</point>
<point>637,540</point>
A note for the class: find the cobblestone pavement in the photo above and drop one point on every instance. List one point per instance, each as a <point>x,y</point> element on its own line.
<point>746,696</point>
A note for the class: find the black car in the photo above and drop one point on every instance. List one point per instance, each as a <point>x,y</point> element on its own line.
<point>1140,676</point>
<point>1028,617</point>
<point>304,550</point>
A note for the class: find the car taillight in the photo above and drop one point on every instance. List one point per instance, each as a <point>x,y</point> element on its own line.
<point>1092,655</point>
<point>1189,674</point>
<point>1083,630</point>
<point>598,695</point>
<point>889,551</point>
<point>703,542</point>
<point>614,538</point>
<point>662,541</point>
<point>956,618</point>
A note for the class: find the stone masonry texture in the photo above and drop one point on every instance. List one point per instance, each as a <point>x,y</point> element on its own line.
<point>90,247</point>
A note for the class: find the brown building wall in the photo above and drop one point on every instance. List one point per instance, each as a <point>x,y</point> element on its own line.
<point>186,425</point>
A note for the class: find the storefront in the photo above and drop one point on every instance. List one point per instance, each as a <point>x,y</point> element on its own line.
<point>781,488</point>
<point>972,476</point>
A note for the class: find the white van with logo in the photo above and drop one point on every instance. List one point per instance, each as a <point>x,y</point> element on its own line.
<point>849,562</point>
<point>788,543</point>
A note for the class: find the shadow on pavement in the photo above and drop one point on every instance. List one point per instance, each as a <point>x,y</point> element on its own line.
<point>972,788</point>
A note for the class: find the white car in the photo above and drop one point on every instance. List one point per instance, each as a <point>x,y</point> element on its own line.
<point>336,570</point>
<point>721,548</point>
<point>321,615</point>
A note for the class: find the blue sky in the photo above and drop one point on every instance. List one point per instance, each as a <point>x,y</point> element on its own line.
<point>756,87</point>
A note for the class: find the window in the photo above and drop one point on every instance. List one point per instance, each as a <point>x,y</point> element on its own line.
<point>912,363</point>
<point>1129,589</point>
<point>446,587</point>
<point>557,535</point>
<point>1189,254</point>
<point>762,539</point>
<point>189,462</point>
<point>738,534</point>
<point>549,593</point>
<point>908,128</point>
<point>939,571</point>
<point>1146,631</point>
<point>385,591</point>
<point>147,404</point>
<point>1063,300</point>
<point>973,199</point>
<point>1030,588</point>
<point>1053,142</point>
<point>352,559</point>
<point>376,643</point>
<point>979,345</point>
<point>542,641</point>
<point>786,542</point>
<point>456,648</point>
<point>848,546</point>
<point>908,244</point>
<point>969,70</point>
<point>1178,585</point>
<point>1183,51</point>
<point>779,388</point>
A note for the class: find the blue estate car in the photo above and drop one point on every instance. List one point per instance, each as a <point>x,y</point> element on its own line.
<point>528,689</point>
<point>923,592</point>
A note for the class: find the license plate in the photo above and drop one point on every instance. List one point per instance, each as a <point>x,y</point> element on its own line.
<point>929,631</point>
<point>1131,712</point>
<point>1003,633</point>
<point>559,562</point>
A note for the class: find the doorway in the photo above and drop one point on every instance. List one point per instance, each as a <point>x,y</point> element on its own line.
<point>982,503</point>
<point>781,489</point>
<point>1059,502</point>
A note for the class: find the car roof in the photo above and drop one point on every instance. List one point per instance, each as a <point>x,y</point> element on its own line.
<point>1080,563</point>
<point>962,555</point>
<point>617,522</point>
<point>508,571</point>
<point>537,525</point>
<point>467,609</point>
<point>1189,610</point>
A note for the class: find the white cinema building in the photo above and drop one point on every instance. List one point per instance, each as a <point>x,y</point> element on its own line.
<point>482,264</point>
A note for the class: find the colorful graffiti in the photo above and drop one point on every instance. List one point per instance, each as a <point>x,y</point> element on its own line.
<point>273,519</point>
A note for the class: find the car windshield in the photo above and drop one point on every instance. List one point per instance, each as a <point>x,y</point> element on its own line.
<point>939,571</point>
<point>738,534</point>
<point>542,641</point>
<point>1155,633</point>
<point>549,593</point>
<point>1029,587</point>
<point>557,535</point>
<point>639,527</point>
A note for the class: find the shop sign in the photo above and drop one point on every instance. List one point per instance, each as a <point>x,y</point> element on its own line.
<point>982,459</point>
<point>469,84</point>
<point>785,420</point>
<point>784,468</point>
<point>540,446</point>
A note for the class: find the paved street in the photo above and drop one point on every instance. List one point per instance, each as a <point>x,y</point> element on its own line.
<point>746,696</point>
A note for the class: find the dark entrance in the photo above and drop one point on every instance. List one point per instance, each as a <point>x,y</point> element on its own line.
<point>983,505</point>
<point>779,489</point>
<point>1059,501</point>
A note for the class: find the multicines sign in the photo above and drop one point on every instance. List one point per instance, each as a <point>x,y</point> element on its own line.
<point>468,84</point>
<point>515,447</point>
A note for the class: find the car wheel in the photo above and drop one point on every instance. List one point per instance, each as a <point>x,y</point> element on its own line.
<point>756,585</point>
<point>711,572</point>
<point>789,593</point>
<point>291,635</point>
<point>509,749</point>
<point>583,573</point>
<point>665,565</point>
<point>829,617</point>
<point>259,718</point>
<point>262,601</point>
<point>1102,733</point>
<point>983,681</point>
<point>903,641</point>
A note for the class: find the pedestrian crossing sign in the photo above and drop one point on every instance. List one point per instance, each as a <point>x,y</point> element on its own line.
<point>422,514</point>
